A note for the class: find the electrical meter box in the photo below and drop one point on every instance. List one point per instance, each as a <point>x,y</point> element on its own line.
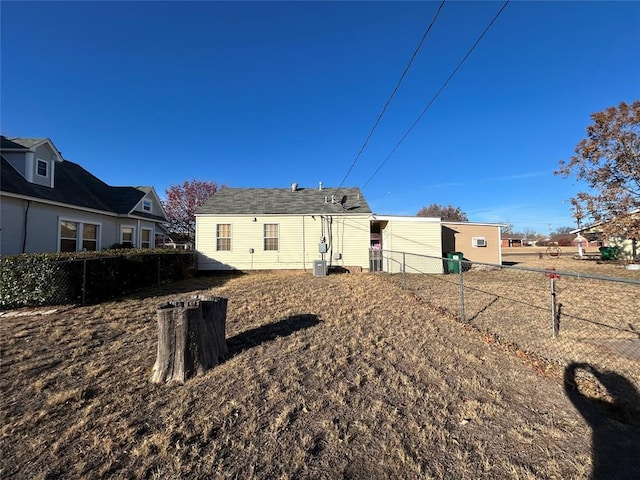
<point>323,247</point>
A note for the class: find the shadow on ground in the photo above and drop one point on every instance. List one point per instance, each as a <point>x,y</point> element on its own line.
<point>266,333</point>
<point>614,421</point>
<point>190,285</point>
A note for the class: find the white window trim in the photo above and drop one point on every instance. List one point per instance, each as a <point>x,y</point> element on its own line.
<point>133,235</point>
<point>80,232</point>
<point>146,200</point>
<point>46,164</point>
<point>264,237</point>
<point>230,238</point>
<point>152,238</point>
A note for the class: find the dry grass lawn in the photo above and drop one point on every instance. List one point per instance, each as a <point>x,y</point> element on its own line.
<point>345,376</point>
<point>598,320</point>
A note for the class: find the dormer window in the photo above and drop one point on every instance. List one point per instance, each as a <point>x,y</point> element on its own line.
<point>42,168</point>
<point>146,205</point>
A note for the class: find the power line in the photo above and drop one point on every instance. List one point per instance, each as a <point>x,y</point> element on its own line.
<point>395,90</point>
<point>433,99</point>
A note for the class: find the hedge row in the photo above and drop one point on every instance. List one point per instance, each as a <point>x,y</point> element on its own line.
<point>55,279</point>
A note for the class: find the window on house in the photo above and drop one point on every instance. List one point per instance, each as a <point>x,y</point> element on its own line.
<point>75,236</point>
<point>68,236</point>
<point>89,237</point>
<point>146,205</point>
<point>145,240</point>
<point>223,236</point>
<point>271,236</point>
<point>42,168</point>
<point>126,236</point>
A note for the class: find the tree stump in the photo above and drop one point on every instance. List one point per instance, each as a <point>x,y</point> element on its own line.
<point>191,338</point>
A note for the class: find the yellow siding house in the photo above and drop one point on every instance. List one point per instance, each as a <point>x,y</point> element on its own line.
<point>283,229</point>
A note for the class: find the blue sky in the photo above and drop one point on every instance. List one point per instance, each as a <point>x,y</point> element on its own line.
<point>269,93</point>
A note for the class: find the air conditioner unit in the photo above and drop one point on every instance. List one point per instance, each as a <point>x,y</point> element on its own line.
<point>319,268</point>
<point>479,242</point>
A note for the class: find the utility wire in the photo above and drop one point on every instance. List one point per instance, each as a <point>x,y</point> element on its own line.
<point>395,90</point>
<point>433,99</point>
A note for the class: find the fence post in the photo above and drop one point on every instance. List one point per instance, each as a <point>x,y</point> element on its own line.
<point>553,306</point>
<point>404,271</point>
<point>550,272</point>
<point>462,315</point>
<point>84,281</point>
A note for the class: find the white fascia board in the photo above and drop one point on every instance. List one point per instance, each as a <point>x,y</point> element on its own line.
<point>484,224</point>
<point>53,147</point>
<point>406,218</point>
<point>251,215</point>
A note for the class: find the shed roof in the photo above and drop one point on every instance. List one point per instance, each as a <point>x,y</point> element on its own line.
<point>285,201</point>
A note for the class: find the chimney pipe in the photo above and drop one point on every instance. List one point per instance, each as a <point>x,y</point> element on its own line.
<point>320,186</point>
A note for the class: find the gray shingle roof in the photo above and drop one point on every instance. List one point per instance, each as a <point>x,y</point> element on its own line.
<point>19,143</point>
<point>303,201</point>
<point>75,186</point>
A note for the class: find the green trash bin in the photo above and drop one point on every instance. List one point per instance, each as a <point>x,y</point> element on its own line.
<point>453,265</point>
<point>608,253</point>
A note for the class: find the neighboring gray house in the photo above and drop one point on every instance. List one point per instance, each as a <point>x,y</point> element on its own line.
<point>49,204</point>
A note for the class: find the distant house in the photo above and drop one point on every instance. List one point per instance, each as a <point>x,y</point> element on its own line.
<point>49,204</point>
<point>282,228</point>
<point>177,241</point>
<point>513,241</point>
<point>594,233</point>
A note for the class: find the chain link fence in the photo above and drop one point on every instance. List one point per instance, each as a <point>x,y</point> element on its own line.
<point>82,281</point>
<point>560,316</point>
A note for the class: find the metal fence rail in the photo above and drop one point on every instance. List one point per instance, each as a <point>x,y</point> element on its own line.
<point>560,316</point>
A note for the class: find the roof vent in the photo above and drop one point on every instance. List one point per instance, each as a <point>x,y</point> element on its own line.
<point>294,186</point>
<point>320,186</point>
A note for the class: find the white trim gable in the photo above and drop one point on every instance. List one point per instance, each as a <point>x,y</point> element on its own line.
<point>31,172</point>
<point>156,205</point>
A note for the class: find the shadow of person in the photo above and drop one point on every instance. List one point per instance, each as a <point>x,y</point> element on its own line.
<point>615,424</point>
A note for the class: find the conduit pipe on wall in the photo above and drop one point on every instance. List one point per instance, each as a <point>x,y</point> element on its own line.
<point>24,227</point>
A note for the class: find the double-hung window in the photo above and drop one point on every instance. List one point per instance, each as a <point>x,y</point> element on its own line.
<point>89,237</point>
<point>42,168</point>
<point>146,205</point>
<point>126,235</point>
<point>145,238</point>
<point>270,236</point>
<point>76,236</point>
<point>68,236</point>
<point>223,236</point>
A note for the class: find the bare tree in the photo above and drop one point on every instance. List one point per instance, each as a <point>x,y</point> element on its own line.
<point>608,160</point>
<point>448,213</point>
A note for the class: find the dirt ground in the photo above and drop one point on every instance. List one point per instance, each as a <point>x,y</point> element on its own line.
<point>344,376</point>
